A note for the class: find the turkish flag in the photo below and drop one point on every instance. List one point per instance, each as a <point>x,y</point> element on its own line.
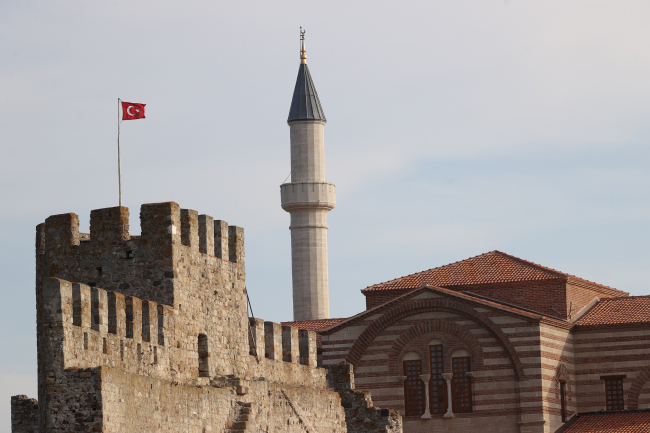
<point>131,111</point>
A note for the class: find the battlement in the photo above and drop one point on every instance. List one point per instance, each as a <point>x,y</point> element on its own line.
<point>161,223</point>
<point>145,266</point>
<point>104,328</point>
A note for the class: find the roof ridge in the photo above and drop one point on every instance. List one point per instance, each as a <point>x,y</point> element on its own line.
<point>545,270</point>
<point>533,264</point>
<point>430,269</point>
<point>622,298</point>
<point>556,271</point>
<point>313,320</point>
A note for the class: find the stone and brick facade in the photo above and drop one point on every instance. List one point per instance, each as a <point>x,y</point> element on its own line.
<point>496,343</point>
<point>151,333</point>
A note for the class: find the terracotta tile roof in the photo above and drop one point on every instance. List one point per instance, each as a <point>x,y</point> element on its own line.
<point>612,311</point>
<point>610,422</point>
<point>492,267</point>
<point>314,325</point>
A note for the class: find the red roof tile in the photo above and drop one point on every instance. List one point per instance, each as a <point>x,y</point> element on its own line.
<point>612,311</point>
<point>314,325</point>
<point>611,422</point>
<point>492,267</point>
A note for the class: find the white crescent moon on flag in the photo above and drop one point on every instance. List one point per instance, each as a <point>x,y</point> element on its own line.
<point>128,111</point>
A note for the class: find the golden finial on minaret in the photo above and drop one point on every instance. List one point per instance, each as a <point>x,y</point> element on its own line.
<point>303,55</point>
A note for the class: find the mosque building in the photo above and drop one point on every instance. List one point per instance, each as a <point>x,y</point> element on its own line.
<point>493,343</point>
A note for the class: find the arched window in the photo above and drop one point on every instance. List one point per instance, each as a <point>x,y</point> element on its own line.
<point>461,388</point>
<point>204,354</point>
<point>438,387</point>
<point>413,387</point>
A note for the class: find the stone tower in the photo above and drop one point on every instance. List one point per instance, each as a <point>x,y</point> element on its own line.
<point>308,198</point>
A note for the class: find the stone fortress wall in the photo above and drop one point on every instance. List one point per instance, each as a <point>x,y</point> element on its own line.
<point>151,333</point>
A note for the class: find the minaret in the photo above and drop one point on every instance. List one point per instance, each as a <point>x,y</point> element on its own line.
<point>308,198</point>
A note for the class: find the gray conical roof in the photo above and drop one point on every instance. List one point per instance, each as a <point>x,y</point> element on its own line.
<point>305,104</point>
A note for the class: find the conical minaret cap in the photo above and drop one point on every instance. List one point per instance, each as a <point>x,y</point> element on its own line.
<point>305,104</point>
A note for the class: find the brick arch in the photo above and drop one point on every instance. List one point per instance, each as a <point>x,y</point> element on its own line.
<point>635,390</point>
<point>421,354</point>
<point>470,343</point>
<point>424,306</point>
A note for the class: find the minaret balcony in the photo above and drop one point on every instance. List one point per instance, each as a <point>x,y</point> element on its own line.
<point>300,195</point>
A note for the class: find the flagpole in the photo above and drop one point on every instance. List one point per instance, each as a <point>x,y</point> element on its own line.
<point>119,156</point>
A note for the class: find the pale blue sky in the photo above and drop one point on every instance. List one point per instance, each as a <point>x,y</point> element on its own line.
<point>454,128</point>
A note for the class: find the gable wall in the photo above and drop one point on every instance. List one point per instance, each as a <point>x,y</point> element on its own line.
<point>533,295</point>
<point>497,395</point>
<point>380,297</point>
<point>581,295</point>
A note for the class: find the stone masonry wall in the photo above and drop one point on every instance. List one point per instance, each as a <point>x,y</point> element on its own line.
<point>261,406</point>
<point>360,415</point>
<point>131,325</point>
<point>24,414</point>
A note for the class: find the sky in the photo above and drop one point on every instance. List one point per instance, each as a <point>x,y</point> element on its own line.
<point>454,129</point>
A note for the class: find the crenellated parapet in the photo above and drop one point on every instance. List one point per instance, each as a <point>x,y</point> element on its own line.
<point>90,327</point>
<point>145,265</point>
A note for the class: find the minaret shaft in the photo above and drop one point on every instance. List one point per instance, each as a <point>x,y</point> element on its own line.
<point>309,264</point>
<point>308,198</point>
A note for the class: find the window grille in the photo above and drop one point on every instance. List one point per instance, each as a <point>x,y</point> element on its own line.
<point>413,388</point>
<point>461,387</point>
<point>614,394</point>
<point>438,384</point>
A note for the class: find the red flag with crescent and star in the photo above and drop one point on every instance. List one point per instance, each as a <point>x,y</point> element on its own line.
<point>132,111</point>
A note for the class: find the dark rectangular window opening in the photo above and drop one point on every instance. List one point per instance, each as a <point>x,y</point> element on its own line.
<point>112,313</point>
<point>76,305</point>
<point>146,322</point>
<point>122,350</point>
<point>438,385</point>
<point>161,325</point>
<point>204,355</point>
<point>139,352</point>
<point>95,318</point>
<point>413,388</point>
<point>85,341</point>
<point>155,355</point>
<point>614,394</point>
<point>129,319</point>
<point>460,386</point>
<point>105,346</point>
